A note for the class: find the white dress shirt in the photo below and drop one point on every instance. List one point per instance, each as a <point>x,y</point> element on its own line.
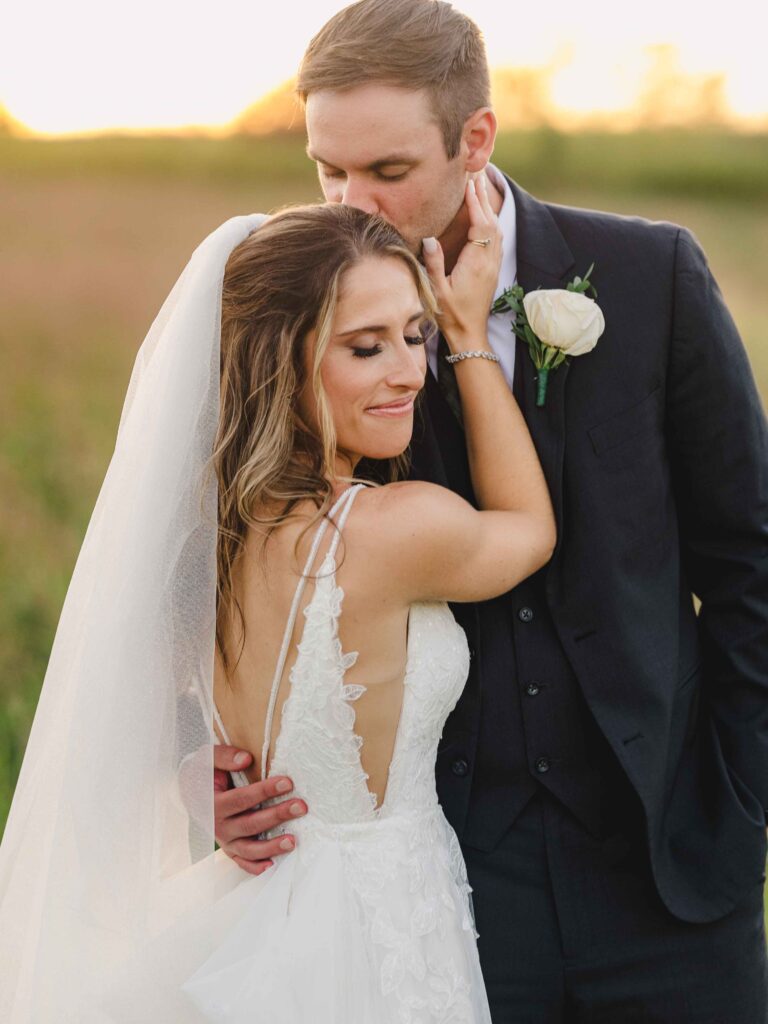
<point>500,335</point>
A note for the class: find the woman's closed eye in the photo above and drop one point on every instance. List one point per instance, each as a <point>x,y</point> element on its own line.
<point>411,339</point>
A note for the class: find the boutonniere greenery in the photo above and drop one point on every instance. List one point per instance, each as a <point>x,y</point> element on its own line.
<point>555,323</point>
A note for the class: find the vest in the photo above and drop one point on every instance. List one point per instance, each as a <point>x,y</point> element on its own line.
<point>535,728</point>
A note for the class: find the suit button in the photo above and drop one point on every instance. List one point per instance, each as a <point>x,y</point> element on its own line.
<point>543,764</point>
<point>525,615</point>
<point>532,689</point>
<point>460,767</point>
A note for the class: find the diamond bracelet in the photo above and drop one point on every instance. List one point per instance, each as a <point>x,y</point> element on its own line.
<point>469,355</point>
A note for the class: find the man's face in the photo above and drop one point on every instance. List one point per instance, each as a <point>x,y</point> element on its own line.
<point>379,148</point>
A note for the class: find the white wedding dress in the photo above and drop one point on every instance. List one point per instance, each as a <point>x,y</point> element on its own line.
<point>368,920</point>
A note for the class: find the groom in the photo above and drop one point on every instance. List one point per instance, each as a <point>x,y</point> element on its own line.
<point>606,768</point>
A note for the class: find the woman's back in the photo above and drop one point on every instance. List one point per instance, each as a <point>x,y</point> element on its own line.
<point>374,623</point>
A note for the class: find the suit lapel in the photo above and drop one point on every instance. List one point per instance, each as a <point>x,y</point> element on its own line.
<point>544,260</point>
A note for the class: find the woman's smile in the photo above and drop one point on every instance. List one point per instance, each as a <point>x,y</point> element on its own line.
<point>400,407</point>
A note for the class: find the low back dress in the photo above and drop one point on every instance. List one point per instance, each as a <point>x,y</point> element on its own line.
<point>368,920</point>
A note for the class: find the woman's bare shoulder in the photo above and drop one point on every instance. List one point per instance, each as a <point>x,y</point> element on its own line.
<point>400,528</point>
<point>404,506</point>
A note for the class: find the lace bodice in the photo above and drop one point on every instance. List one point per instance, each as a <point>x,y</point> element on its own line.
<point>402,860</point>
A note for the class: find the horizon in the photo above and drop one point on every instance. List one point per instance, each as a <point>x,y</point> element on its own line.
<point>574,73</point>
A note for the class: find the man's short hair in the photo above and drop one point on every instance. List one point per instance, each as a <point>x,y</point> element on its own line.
<point>415,44</point>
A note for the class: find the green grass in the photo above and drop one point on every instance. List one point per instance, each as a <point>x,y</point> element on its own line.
<point>94,235</point>
<point>711,165</point>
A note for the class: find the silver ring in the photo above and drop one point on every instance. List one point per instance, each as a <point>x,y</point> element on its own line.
<point>480,241</point>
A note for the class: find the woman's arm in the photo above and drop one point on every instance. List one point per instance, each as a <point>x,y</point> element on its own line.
<point>449,550</point>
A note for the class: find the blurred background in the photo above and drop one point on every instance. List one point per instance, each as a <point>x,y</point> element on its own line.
<point>129,132</point>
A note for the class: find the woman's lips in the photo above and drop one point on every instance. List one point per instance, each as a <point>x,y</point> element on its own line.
<point>401,408</point>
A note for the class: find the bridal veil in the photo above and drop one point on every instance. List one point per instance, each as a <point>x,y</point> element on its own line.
<point>100,847</point>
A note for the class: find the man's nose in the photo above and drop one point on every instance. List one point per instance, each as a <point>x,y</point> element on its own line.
<point>356,194</point>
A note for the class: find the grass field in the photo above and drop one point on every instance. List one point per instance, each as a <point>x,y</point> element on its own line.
<point>94,235</point>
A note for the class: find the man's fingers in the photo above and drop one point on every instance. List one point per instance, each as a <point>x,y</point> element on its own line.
<point>255,867</point>
<point>246,798</point>
<point>221,781</point>
<point>253,822</point>
<point>230,759</point>
<point>260,849</point>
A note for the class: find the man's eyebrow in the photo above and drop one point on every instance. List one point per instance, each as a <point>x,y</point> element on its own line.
<point>373,328</point>
<point>390,160</point>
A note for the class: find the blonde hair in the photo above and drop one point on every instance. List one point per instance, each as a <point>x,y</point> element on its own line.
<point>281,283</point>
<point>415,44</point>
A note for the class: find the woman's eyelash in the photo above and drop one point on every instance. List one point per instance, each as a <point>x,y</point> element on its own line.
<point>363,353</point>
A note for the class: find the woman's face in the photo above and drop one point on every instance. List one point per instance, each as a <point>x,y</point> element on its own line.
<point>375,362</point>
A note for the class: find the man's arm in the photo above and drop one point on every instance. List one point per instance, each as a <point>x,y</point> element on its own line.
<point>718,440</point>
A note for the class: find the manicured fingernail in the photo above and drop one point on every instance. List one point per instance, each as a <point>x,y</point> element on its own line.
<point>429,244</point>
<point>472,185</point>
<point>483,181</point>
<point>296,809</point>
<point>282,786</point>
<point>286,844</point>
<point>241,758</point>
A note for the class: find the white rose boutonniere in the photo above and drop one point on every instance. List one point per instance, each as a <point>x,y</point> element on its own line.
<point>555,323</point>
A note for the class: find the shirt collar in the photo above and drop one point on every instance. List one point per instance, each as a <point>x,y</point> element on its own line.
<point>508,225</point>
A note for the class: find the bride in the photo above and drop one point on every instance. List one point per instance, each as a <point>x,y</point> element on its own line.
<point>256,571</point>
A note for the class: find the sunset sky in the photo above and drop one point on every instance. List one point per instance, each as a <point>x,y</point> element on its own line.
<point>86,66</point>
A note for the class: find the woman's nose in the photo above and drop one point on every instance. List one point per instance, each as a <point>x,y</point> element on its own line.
<point>410,369</point>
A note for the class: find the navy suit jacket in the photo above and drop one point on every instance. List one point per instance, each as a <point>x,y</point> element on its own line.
<point>655,449</point>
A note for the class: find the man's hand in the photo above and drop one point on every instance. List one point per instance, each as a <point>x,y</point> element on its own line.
<point>238,818</point>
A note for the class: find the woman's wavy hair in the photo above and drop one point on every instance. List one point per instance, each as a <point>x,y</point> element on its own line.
<point>282,282</point>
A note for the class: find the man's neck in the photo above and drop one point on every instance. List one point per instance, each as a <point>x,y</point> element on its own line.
<point>454,238</point>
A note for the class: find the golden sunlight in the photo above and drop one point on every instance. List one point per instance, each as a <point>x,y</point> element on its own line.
<point>79,69</point>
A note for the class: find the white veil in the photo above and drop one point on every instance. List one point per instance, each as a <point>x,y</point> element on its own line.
<point>97,837</point>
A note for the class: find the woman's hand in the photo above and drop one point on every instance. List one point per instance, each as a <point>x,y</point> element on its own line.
<point>465,295</point>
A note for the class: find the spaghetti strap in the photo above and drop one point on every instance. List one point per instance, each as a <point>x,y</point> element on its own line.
<point>350,495</point>
<point>345,500</point>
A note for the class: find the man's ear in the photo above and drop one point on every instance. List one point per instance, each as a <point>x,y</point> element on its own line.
<point>477,139</point>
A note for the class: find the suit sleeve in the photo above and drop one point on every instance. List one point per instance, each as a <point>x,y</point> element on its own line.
<point>718,439</point>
